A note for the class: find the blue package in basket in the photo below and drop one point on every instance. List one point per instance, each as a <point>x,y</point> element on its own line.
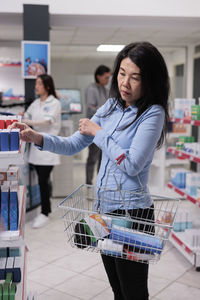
<point>138,239</point>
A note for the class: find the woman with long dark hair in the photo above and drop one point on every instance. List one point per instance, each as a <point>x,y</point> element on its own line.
<point>44,115</point>
<point>132,124</point>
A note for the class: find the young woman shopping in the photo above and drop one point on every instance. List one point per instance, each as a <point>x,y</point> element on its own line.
<point>133,122</point>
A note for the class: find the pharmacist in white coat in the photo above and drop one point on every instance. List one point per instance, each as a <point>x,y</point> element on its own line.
<point>44,115</point>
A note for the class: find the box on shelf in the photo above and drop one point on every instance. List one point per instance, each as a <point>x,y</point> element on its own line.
<point>3,174</point>
<point>178,177</point>
<point>183,220</point>
<point>13,173</point>
<point>9,210</point>
<point>179,128</point>
<point>195,113</point>
<point>9,140</point>
<point>182,108</point>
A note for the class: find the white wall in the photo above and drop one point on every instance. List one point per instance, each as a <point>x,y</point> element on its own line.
<point>189,8</point>
<point>10,77</point>
<point>76,74</point>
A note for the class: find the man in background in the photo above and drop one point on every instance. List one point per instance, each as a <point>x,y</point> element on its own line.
<point>96,95</point>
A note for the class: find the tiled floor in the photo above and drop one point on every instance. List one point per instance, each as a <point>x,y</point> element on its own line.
<point>58,272</point>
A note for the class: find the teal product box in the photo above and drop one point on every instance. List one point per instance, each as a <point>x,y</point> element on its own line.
<point>14,139</point>
<point>14,212</point>
<point>5,206</point>
<point>123,222</point>
<point>5,137</point>
<point>14,209</point>
<point>14,252</point>
<point>3,253</point>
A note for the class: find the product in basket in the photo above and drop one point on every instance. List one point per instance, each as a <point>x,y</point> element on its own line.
<point>137,256</point>
<point>136,239</point>
<point>81,237</point>
<point>167,218</point>
<point>110,248</point>
<point>89,230</point>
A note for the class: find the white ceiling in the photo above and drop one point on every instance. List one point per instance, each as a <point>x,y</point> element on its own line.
<point>77,37</point>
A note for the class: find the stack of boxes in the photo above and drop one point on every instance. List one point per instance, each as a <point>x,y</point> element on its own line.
<point>9,139</point>
<point>184,179</point>
<point>9,211</point>
<point>187,144</point>
<point>183,220</point>
<point>195,112</point>
<point>182,108</point>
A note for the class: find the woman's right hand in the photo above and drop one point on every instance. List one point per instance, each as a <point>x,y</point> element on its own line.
<point>27,134</point>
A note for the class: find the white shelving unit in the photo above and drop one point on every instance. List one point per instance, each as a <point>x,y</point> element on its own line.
<point>178,238</point>
<point>160,163</point>
<point>12,157</point>
<point>184,155</point>
<point>16,238</point>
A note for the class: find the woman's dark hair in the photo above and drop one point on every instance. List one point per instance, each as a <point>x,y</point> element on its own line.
<point>47,80</point>
<point>154,78</point>
<point>101,70</point>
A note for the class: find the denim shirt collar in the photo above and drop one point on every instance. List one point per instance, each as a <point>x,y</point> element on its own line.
<point>132,107</point>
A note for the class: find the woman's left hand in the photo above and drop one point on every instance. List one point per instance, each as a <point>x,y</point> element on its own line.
<point>88,127</point>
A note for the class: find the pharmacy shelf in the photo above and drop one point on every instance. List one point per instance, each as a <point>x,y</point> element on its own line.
<point>9,98</point>
<point>12,157</point>
<point>14,238</point>
<point>182,193</point>
<point>176,134</point>
<point>175,161</point>
<point>10,64</point>
<point>183,154</point>
<point>186,121</point>
<point>8,101</point>
<point>179,241</point>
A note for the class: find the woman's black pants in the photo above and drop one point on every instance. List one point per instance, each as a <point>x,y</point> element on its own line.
<point>129,279</point>
<point>43,173</point>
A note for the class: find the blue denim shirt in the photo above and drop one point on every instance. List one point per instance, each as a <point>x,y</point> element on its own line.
<point>138,142</point>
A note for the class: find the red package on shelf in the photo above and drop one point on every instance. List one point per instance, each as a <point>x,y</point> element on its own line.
<point>2,124</point>
<point>8,122</point>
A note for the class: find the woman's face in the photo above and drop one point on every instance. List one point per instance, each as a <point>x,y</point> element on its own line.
<point>39,87</point>
<point>129,81</point>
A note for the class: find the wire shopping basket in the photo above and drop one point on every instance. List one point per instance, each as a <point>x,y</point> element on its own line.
<point>138,234</point>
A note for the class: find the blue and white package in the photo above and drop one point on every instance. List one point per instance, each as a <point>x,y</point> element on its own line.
<point>4,205</point>
<point>14,139</point>
<point>13,206</point>
<point>137,239</point>
<point>5,140</point>
<point>108,247</point>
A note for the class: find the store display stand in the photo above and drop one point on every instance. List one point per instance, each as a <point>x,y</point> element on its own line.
<point>15,239</point>
<point>158,178</point>
<point>178,238</point>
